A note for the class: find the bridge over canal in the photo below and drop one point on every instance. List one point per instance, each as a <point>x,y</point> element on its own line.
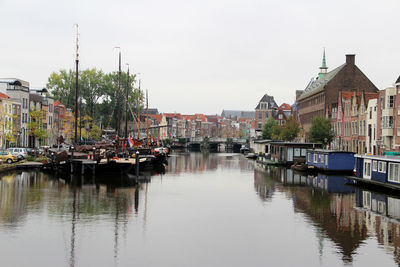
<point>217,144</point>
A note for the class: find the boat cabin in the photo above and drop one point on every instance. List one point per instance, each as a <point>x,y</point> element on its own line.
<point>330,160</point>
<point>287,152</point>
<point>383,169</point>
<point>262,147</point>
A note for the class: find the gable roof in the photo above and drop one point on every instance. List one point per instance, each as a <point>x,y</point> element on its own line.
<point>285,106</point>
<point>270,100</point>
<point>398,80</point>
<point>318,84</point>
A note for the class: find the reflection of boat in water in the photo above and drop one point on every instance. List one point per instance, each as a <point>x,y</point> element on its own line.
<point>302,167</point>
<point>251,156</point>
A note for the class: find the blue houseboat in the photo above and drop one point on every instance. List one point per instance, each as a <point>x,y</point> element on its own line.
<point>378,170</point>
<point>330,160</point>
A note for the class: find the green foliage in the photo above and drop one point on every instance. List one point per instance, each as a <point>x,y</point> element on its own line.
<point>35,124</point>
<point>95,132</point>
<point>99,93</point>
<point>267,128</point>
<point>321,130</point>
<point>290,130</point>
<point>276,132</point>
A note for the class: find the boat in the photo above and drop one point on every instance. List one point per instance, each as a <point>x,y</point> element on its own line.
<point>302,167</point>
<point>382,171</point>
<point>251,156</point>
<point>330,160</point>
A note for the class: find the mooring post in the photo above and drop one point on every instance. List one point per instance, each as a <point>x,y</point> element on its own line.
<point>72,159</point>
<point>137,163</point>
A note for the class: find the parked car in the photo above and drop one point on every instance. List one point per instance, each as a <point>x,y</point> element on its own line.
<point>7,156</point>
<point>31,151</point>
<point>20,152</point>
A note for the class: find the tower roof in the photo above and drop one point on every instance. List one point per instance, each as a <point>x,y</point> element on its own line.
<point>323,62</point>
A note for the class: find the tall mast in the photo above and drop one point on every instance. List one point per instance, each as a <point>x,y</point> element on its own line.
<point>138,135</point>
<point>126,105</point>
<point>119,97</point>
<point>76,84</point>
<point>147,117</point>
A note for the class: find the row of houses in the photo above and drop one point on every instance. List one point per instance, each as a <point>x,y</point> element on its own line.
<point>364,118</point>
<point>20,128</point>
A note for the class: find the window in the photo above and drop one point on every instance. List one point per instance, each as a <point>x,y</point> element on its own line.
<point>394,175</point>
<point>315,158</point>
<point>259,116</point>
<point>303,152</point>
<point>309,157</point>
<point>259,125</point>
<point>326,160</point>
<point>390,101</point>
<point>266,114</point>
<point>367,169</point>
<point>374,165</point>
<point>382,166</point>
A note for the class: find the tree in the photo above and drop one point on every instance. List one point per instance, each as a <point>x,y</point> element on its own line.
<point>290,130</point>
<point>99,93</point>
<point>276,132</point>
<point>35,124</point>
<point>321,130</point>
<point>95,132</point>
<point>267,128</point>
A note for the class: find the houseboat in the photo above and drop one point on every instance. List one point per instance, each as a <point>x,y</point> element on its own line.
<point>377,170</point>
<point>330,160</point>
<point>287,153</point>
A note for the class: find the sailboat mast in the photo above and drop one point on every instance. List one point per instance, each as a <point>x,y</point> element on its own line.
<point>76,83</point>
<point>138,135</point>
<point>147,117</point>
<point>119,97</point>
<point>126,105</point>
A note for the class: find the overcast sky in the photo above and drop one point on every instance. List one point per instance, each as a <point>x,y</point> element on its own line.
<point>203,56</point>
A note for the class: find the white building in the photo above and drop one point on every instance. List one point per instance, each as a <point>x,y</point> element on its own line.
<point>18,91</point>
<point>371,132</point>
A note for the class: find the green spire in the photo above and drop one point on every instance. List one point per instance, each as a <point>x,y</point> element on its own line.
<point>323,69</point>
<point>324,62</point>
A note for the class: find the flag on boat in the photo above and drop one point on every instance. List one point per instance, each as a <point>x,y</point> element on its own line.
<point>130,141</point>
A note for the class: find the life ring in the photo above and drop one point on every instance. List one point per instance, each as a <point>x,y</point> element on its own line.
<point>115,158</point>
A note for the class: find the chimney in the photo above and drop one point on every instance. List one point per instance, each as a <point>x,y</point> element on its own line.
<point>350,59</point>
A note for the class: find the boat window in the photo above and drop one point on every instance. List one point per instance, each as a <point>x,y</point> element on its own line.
<point>394,175</point>
<point>382,166</point>
<point>315,158</point>
<point>297,152</point>
<point>374,165</point>
<point>303,152</point>
<point>326,159</point>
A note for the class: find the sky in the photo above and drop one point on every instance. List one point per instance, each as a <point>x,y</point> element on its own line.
<point>202,56</point>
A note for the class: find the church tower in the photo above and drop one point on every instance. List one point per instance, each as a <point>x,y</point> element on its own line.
<point>323,69</point>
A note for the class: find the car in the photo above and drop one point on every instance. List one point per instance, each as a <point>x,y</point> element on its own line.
<point>20,152</point>
<point>7,156</point>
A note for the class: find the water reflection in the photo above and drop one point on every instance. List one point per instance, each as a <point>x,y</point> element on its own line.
<point>345,214</point>
<point>116,220</point>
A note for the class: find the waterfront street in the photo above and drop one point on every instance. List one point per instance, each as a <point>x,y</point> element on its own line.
<point>206,210</point>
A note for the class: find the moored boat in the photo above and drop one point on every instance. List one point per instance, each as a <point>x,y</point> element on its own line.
<point>377,170</point>
<point>330,160</point>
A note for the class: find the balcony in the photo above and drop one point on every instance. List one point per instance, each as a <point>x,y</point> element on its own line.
<point>387,132</point>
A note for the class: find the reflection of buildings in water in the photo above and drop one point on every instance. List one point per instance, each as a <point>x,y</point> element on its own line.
<point>382,218</point>
<point>328,203</point>
<point>263,185</point>
<point>194,162</point>
<point>19,192</point>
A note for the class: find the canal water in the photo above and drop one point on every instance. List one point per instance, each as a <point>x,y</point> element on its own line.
<point>204,210</point>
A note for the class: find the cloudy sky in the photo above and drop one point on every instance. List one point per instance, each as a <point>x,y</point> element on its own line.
<point>203,56</point>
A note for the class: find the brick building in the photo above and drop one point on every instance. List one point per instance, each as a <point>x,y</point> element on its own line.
<point>264,110</point>
<point>320,98</point>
